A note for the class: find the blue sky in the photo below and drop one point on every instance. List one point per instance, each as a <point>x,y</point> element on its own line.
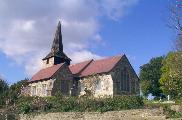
<point>137,29</point>
<point>142,34</point>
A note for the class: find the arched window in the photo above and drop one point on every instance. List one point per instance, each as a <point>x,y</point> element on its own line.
<point>34,90</point>
<point>65,87</point>
<point>124,82</point>
<point>98,85</point>
<point>44,89</point>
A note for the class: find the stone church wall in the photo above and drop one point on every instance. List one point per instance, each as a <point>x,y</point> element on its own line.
<point>64,74</point>
<point>104,88</point>
<point>39,86</point>
<point>100,85</point>
<point>53,85</point>
<point>110,82</point>
<point>117,77</point>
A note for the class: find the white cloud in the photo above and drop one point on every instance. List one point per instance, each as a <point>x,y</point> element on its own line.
<point>27,27</point>
<point>115,9</point>
<point>34,64</point>
<point>83,55</point>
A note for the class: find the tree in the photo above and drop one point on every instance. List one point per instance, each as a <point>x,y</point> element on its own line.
<point>15,90</point>
<point>176,22</point>
<point>150,74</point>
<point>171,79</point>
<point>3,91</point>
<point>3,86</point>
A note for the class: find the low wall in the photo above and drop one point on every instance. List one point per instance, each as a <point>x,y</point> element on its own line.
<point>139,114</point>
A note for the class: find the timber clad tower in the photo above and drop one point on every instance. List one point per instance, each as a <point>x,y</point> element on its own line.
<point>56,56</point>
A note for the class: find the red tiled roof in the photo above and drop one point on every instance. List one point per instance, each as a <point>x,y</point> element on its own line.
<point>77,68</point>
<point>46,73</point>
<point>100,66</point>
<point>86,68</point>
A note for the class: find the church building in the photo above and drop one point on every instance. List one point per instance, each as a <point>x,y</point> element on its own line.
<point>105,77</point>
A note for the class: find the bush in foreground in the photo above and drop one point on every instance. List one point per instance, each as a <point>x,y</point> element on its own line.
<point>73,104</point>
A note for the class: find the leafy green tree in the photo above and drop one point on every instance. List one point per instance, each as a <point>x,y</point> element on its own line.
<point>3,86</point>
<point>3,91</point>
<point>150,74</point>
<point>171,79</point>
<point>15,90</point>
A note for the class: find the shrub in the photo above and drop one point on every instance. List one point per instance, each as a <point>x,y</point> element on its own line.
<point>73,104</point>
<point>125,102</point>
<point>178,101</point>
<point>24,107</point>
<point>22,99</point>
<point>31,104</point>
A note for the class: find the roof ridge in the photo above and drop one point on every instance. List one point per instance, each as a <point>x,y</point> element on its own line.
<point>58,69</point>
<point>81,62</point>
<point>101,66</point>
<point>85,66</point>
<point>117,62</point>
<point>79,67</point>
<point>98,59</point>
<point>110,57</point>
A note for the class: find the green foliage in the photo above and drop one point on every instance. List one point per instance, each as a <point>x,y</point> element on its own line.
<point>155,104</point>
<point>73,104</point>
<point>59,95</point>
<point>150,74</point>
<point>15,90</point>
<point>171,79</point>
<point>178,101</point>
<point>31,104</point>
<point>24,107</point>
<point>3,86</point>
<point>11,93</point>
<point>3,92</point>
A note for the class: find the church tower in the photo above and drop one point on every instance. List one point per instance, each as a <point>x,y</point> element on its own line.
<point>56,56</point>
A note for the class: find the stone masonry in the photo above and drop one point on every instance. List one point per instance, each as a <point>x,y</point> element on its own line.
<point>111,81</point>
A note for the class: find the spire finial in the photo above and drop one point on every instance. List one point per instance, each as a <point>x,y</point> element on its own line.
<point>59,23</point>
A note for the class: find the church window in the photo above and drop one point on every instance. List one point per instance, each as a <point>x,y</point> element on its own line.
<point>64,87</point>
<point>124,82</point>
<point>127,82</point>
<point>97,85</point>
<point>44,89</point>
<point>34,90</point>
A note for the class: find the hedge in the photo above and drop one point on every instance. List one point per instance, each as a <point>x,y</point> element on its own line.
<point>73,104</point>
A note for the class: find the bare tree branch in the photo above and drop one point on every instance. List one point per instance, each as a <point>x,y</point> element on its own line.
<point>176,22</point>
